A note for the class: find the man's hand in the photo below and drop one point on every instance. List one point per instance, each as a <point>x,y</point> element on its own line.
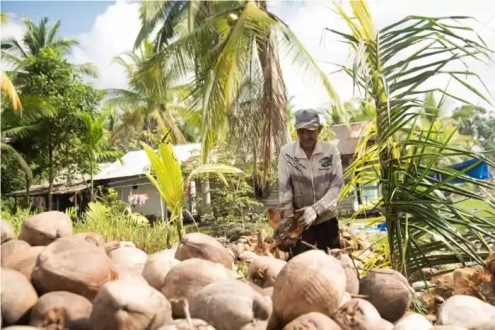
<point>307,217</point>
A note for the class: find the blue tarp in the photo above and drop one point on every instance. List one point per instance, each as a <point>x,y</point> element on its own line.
<point>480,171</point>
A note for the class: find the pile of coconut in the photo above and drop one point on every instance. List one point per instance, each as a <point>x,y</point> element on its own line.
<point>54,279</point>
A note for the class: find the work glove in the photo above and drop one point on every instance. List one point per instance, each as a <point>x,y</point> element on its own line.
<point>307,217</point>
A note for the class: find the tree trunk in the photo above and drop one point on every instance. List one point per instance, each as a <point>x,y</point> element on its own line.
<point>275,131</point>
<point>50,176</point>
<point>92,187</point>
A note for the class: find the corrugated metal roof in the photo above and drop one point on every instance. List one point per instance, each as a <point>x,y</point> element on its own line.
<point>136,162</point>
<point>348,137</point>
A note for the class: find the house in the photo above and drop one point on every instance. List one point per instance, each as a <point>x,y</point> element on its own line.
<point>127,177</point>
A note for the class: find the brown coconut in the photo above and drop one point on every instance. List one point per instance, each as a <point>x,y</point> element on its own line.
<point>129,304</point>
<point>25,260</point>
<point>7,231</point>
<point>358,314</point>
<point>184,281</point>
<point>183,324</point>
<point>157,267</point>
<point>46,227</point>
<point>351,273</point>
<point>72,264</point>
<point>264,270</point>
<point>231,305</point>
<point>94,238</point>
<point>22,327</point>
<point>347,297</point>
<point>247,256</point>
<point>17,296</point>
<point>312,321</point>
<point>12,248</point>
<point>310,282</point>
<point>199,245</point>
<point>465,311</point>
<point>389,291</point>
<point>130,257</point>
<point>61,308</point>
<point>112,245</point>
<point>413,321</point>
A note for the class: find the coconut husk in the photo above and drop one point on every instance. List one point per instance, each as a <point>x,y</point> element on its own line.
<point>389,291</point>
<point>264,270</point>
<point>46,227</point>
<point>231,305</point>
<point>61,309</point>
<point>199,245</point>
<point>18,297</point>
<point>157,267</point>
<point>310,282</point>
<point>24,261</point>
<point>358,314</point>
<point>12,248</point>
<point>312,321</point>
<point>129,304</point>
<point>187,324</point>
<point>7,231</point>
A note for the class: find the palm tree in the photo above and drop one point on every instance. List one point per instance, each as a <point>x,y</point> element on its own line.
<point>95,142</point>
<point>392,66</point>
<point>7,86</point>
<point>223,44</point>
<point>36,38</point>
<point>149,103</point>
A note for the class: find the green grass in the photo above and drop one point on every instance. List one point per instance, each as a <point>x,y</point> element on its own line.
<point>478,208</point>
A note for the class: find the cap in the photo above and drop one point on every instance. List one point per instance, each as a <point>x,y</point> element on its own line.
<point>307,119</point>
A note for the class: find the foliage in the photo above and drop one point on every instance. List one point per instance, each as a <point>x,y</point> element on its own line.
<point>479,123</point>
<point>391,66</point>
<point>150,105</point>
<point>168,180</point>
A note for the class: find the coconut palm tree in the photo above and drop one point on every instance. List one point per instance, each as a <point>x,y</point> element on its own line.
<point>392,65</point>
<point>150,103</point>
<point>36,38</point>
<point>7,86</point>
<point>219,44</point>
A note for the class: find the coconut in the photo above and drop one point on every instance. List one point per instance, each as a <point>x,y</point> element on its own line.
<point>199,245</point>
<point>129,304</point>
<point>184,281</point>
<point>312,321</point>
<point>61,308</point>
<point>25,260</point>
<point>358,314</point>
<point>388,291</point>
<point>17,295</point>
<point>12,248</point>
<point>231,305</point>
<point>7,231</point>
<point>157,267</point>
<point>264,270</point>
<point>22,327</point>
<point>183,324</point>
<point>465,311</point>
<point>413,321</point>
<point>130,257</point>
<point>347,297</point>
<point>93,238</point>
<point>72,264</point>
<point>351,273</point>
<point>267,291</point>
<point>46,227</point>
<point>247,256</point>
<point>112,245</point>
<point>310,282</point>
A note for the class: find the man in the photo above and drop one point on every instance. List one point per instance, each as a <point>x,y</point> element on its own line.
<point>310,181</point>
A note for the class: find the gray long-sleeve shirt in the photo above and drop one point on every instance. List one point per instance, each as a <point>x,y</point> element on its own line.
<point>315,182</point>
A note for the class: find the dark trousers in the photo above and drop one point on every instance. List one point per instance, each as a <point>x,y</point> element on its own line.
<point>324,236</point>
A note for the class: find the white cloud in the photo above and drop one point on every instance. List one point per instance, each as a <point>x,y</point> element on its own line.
<point>112,34</point>
<point>11,29</point>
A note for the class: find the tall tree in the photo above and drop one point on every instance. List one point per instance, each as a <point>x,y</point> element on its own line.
<point>150,103</point>
<point>35,39</point>
<point>48,76</point>
<point>224,41</point>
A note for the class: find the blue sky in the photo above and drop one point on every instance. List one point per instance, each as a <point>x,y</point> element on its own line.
<point>106,29</point>
<point>76,16</point>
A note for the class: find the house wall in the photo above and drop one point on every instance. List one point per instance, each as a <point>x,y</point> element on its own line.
<point>139,185</point>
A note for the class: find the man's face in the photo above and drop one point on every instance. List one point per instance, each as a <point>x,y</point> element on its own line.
<point>308,137</point>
